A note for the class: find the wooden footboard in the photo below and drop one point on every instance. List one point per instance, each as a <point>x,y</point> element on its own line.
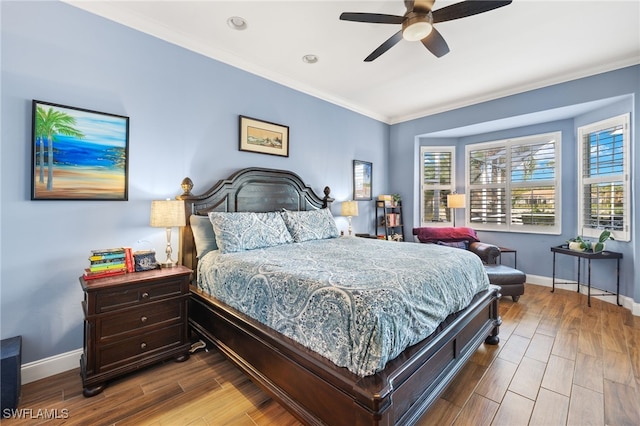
<point>318,392</point>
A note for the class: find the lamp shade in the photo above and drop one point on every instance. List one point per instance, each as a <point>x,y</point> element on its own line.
<point>455,201</point>
<point>349,208</point>
<point>168,213</point>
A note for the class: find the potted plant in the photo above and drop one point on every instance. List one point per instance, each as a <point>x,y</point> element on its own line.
<point>579,244</point>
<point>604,236</point>
<point>396,199</point>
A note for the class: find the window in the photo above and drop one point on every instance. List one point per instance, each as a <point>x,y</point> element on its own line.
<point>512,185</point>
<point>437,171</point>
<point>603,178</point>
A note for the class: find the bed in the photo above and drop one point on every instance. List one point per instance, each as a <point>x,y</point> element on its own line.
<point>317,387</point>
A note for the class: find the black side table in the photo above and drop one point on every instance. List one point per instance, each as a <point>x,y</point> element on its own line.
<point>510,250</point>
<point>589,255</point>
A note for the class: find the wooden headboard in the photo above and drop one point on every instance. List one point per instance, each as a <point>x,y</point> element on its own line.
<point>252,189</point>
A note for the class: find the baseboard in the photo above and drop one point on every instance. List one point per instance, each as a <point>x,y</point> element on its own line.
<point>626,302</point>
<point>46,367</point>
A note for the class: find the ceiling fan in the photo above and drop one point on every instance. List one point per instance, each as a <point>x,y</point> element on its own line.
<point>417,22</point>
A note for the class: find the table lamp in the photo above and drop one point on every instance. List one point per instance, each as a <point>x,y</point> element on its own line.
<point>349,208</point>
<point>167,214</point>
<point>455,201</point>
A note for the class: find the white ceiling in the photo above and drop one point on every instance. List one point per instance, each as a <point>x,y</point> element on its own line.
<point>523,46</point>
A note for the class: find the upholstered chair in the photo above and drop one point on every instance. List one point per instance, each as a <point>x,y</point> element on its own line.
<point>511,280</point>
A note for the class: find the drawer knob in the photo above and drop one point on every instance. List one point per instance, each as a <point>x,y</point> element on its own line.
<point>145,295</point>
<point>143,319</point>
<point>143,345</point>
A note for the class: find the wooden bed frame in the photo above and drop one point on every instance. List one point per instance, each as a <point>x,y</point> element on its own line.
<point>312,388</point>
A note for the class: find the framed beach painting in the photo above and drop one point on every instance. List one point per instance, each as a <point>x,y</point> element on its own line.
<point>362,180</point>
<point>78,154</point>
<point>263,137</point>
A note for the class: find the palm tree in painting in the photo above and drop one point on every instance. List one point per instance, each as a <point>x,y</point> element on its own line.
<point>49,124</point>
<point>40,134</point>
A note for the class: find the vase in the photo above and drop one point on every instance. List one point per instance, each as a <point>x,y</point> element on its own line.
<point>575,246</point>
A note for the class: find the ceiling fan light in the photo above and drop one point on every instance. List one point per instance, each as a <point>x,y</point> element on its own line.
<point>417,31</point>
<point>416,27</point>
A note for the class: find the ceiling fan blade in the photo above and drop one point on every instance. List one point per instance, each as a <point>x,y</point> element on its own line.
<point>436,43</point>
<point>466,8</point>
<point>385,46</point>
<point>374,18</point>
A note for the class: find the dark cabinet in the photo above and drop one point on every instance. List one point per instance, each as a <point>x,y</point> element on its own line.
<point>131,321</point>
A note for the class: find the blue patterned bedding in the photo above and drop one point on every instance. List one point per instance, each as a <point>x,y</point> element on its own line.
<point>356,301</point>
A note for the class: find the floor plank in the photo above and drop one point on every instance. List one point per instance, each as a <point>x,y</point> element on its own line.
<point>586,407</point>
<point>550,409</point>
<point>526,381</point>
<point>515,410</point>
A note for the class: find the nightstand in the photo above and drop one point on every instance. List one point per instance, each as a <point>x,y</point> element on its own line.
<point>131,321</point>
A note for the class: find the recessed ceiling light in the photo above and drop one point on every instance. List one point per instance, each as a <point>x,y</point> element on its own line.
<point>237,23</point>
<point>310,59</point>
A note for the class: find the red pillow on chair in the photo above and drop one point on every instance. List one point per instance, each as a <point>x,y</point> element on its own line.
<point>432,235</point>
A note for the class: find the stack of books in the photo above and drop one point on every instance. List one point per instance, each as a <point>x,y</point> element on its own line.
<point>388,199</point>
<point>393,219</point>
<point>109,262</point>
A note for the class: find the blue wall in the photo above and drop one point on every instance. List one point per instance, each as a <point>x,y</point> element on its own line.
<point>184,111</point>
<point>584,101</point>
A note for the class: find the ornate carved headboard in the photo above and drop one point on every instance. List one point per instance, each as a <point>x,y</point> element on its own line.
<point>248,190</point>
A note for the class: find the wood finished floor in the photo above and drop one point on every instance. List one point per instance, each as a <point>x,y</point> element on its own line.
<point>558,363</point>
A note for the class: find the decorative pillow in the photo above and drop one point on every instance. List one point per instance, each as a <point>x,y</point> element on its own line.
<point>310,225</point>
<point>203,235</point>
<point>248,231</point>
<point>435,234</point>
<point>455,244</point>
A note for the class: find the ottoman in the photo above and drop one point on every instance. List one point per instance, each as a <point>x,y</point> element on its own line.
<point>510,279</point>
<point>11,354</point>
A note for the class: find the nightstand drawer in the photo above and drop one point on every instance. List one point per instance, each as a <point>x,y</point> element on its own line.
<point>137,319</point>
<point>129,350</point>
<point>135,295</point>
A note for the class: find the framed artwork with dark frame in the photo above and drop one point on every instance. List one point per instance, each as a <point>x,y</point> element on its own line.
<point>263,137</point>
<point>362,171</point>
<point>78,154</point>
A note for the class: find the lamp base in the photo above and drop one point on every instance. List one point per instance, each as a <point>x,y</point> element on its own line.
<point>168,264</point>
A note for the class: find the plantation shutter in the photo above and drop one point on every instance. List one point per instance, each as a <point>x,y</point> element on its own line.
<point>513,184</point>
<point>603,201</point>
<point>437,183</point>
<point>533,179</point>
<point>488,186</point>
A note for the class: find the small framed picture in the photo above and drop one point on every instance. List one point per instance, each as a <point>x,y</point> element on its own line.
<point>361,180</point>
<point>145,260</point>
<point>263,137</point>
